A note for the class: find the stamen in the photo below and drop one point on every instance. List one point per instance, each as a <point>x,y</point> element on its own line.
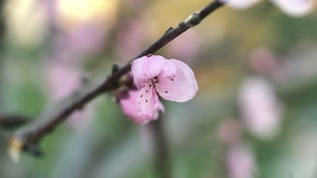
<point>146,91</point>
<point>172,79</point>
<point>166,92</point>
<point>150,85</point>
<point>141,96</point>
<point>146,101</point>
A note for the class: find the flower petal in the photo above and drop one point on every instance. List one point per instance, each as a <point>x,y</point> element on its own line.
<point>296,8</point>
<point>146,68</point>
<point>180,86</point>
<point>168,70</point>
<point>240,4</point>
<point>160,107</point>
<point>130,108</point>
<point>147,101</point>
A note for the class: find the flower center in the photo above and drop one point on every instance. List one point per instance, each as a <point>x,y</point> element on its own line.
<point>154,81</point>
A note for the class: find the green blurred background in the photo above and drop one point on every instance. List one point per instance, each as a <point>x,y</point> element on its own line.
<point>254,115</point>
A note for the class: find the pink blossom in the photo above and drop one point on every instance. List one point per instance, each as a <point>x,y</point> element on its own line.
<point>294,7</point>
<point>241,162</point>
<point>130,38</point>
<point>172,79</point>
<point>263,61</point>
<point>180,47</point>
<point>128,100</point>
<point>260,107</point>
<point>230,131</point>
<point>240,4</point>
<point>62,79</point>
<point>291,7</point>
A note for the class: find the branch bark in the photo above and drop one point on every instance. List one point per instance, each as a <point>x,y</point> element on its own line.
<point>12,121</point>
<point>28,138</point>
<point>162,156</point>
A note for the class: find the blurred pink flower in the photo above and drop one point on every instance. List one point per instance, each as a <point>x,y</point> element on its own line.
<point>240,162</point>
<point>295,7</point>
<point>171,79</point>
<point>240,4</point>
<point>63,79</point>
<point>130,38</point>
<point>230,131</point>
<point>259,107</point>
<point>51,10</point>
<point>128,100</point>
<point>84,39</point>
<point>291,7</point>
<point>180,48</point>
<point>263,61</point>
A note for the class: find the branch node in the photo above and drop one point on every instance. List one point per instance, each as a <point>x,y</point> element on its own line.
<point>79,106</point>
<point>115,68</point>
<point>192,20</point>
<point>169,31</point>
<point>15,148</point>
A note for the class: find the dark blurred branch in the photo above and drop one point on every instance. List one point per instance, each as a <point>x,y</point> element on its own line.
<point>29,137</point>
<point>163,166</point>
<point>2,23</point>
<point>2,41</point>
<point>13,121</point>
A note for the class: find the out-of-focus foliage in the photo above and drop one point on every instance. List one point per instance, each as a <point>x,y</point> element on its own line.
<point>254,115</point>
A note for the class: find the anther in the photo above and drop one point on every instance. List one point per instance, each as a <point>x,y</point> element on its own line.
<point>166,92</point>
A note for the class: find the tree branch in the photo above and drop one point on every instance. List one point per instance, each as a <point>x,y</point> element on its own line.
<point>12,121</point>
<point>28,138</point>
<point>162,158</point>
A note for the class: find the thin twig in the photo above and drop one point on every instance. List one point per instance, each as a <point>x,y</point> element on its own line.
<point>13,121</point>
<point>162,166</point>
<point>29,137</point>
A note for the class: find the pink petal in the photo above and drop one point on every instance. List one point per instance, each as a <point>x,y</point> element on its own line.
<point>169,69</point>
<point>146,68</point>
<point>130,108</point>
<point>240,4</point>
<point>160,107</point>
<point>296,8</point>
<point>147,101</point>
<point>180,86</point>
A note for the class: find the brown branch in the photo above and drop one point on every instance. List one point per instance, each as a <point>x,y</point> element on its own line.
<point>29,137</point>
<point>162,158</point>
<point>13,121</point>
